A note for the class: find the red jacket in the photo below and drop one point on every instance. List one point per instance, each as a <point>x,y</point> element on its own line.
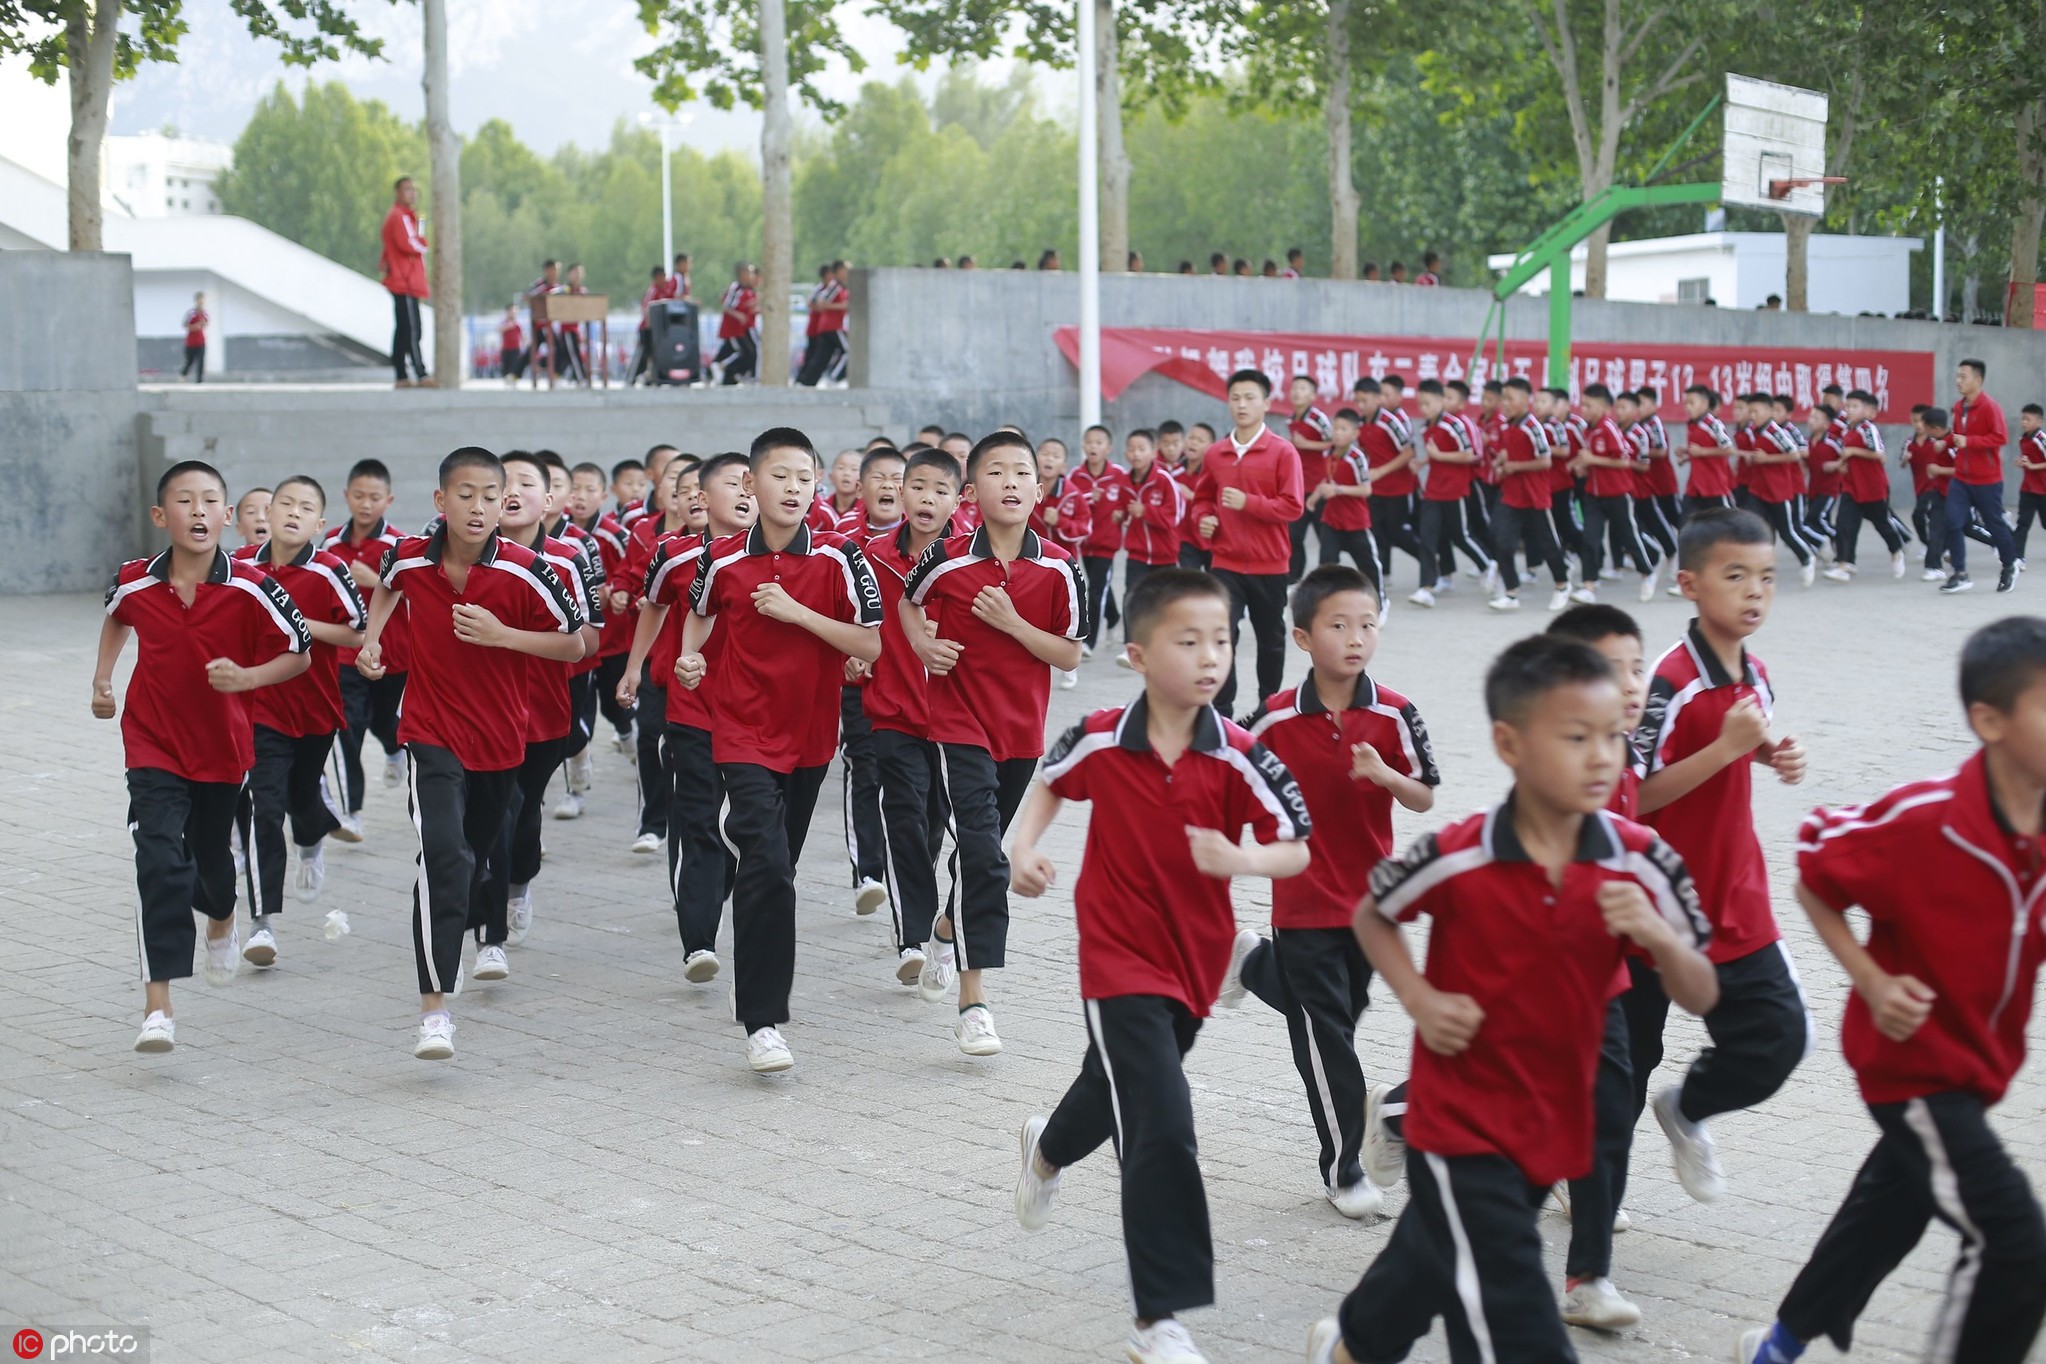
<point>1254,538</point>
<point>1152,535</point>
<point>1980,460</point>
<point>404,253</point>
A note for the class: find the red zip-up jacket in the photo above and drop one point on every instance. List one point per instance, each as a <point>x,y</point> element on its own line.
<point>404,253</point>
<point>1979,457</point>
<point>1254,538</point>
<point>1152,535</point>
<point>1107,493</point>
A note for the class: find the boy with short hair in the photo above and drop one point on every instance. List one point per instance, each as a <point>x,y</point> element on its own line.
<point>1355,747</point>
<point>208,629</point>
<point>252,516</point>
<point>1452,463</point>
<point>790,604</point>
<point>1656,510</point>
<point>674,505</point>
<point>1523,514</point>
<point>296,721</point>
<point>1706,725</point>
<point>1865,485</point>
<point>1947,870</point>
<point>1544,886</point>
<point>987,614</point>
<point>1155,928</point>
<point>1312,435</point>
<point>1388,441</point>
<point>1342,497</point>
<point>1708,452</point>
<point>2032,472</point>
<point>1928,487</point>
<point>1151,519</point>
<point>480,607</point>
<point>1775,480</point>
<point>1608,458</point>
<point>1975,490</point>
<point>1106,485</point>
<point>628,485</point>
<point>368,707</point>
<point>838,501</point>
<point>880,513</point>
<point>599,687</point>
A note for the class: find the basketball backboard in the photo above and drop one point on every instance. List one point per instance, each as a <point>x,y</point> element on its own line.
<point>1774,133</point>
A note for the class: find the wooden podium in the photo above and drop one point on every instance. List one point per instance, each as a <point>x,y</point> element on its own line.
<point>550,311</point>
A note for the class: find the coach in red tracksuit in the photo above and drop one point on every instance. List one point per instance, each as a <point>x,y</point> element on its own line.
<point>405,277</point>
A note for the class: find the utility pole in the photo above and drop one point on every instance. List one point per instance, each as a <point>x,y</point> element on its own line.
<point>1090,222</point>
<point>444,160</point>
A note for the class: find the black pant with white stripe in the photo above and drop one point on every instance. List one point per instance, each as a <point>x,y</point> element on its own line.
<point>823,358</point>
<point>1563,522</point>
<point>1132,1089</point>
<point>1362,549</point>
<point>1392,525</point>
<point>516,859</point>
<point>368,708</point>
<point>610,669</point>
<point>284,782</point>
<point>1697,502</point>
<point>740,356</point>
<point>1263,597</point>
<point>1787,520</point>
<point>459,816</point>
<point>1596,1197</point>
<point>1101,593</point>
<point>1465,1249</point>
<point>984,795</point>
<point>182,862</point>
<point>913,819</point>
<point>1854,515</point>
<point>701,869</point>
<point>1318,978</point>
<point>862,793</point>
<point>1656,518</point>
<point>1309,519</point>
<point>2031,507</point>
<point>767,816</point>
<point>1820,517</point>
<point>1938,1157</point>
<point>654,766</point>
<point>582,713</point>
<point>1445,527</point>
<point>1508,528</point>
<point>1616,513</point>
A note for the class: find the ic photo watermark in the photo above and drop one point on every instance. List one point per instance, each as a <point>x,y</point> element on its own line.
<point>129,1344</point>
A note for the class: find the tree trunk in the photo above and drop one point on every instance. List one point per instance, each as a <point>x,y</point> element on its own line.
<point>444,162</point>
<point>90,31</point>
<point>2024,229</point>
<point>776,227</point>
<point>1342,182</point>
<point>1797,237</point>
<point>1115,162</point>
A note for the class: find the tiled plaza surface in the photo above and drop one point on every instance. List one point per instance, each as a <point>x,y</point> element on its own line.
<point>598,1177</point>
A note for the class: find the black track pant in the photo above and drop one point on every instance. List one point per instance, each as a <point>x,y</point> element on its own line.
<point>459,816</point>
<point>862,788</point>
<point>1563,523</point>
<point>1618,514</point>
<point>1969,502</point>
<point>1465,1249</point>
<point>284,782</point>
<point>1318,978</point>
<point>983,795</point>
<point>823,358</point>
<point>1760,1032</point>
<point>369,708</point>
<point>1596,1197</point>
<point>1446,527</point>
<point>701,869</point>
<point>1657,519</point>
<point>195,364</point>
<point>767,816</point>
<point>1297,532</point>
<point>405,334</point>
<point>182,863</point>
<point>1263,597</point>
<point>654,767</point>
<point>1787,520</point>
<point>1100,596</point>
<point>1509,527</point>
<point>740,355</point>
<point>2031,507</point>
<point>1362,549</point>
<point>1392,524</point>
<point>1854,515</point>
<point>1938,1157</point>
<point>610,670</point>
<point>1697,502</point>
<point>913,820</point>
<point>1132,1089</point>
<point>582,713</point>
<point>1821,518</point>
<point>516,863</point>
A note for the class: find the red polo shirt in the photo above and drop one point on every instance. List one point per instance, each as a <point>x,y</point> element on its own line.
<point>1524,440</point>
<point>1152,534</point>
<point>1954,897</point>
<point>1607,441</point>
<point>1866,480</point>
<point>996,695</point>
<point>1824,482</point>
<point>1923,453</point>
<point>1448,482</point>
<point>1382,442</point>
<point>1347,469</point>
<point>2033,448</point>
<point>1538,960</point>
<point>1711,475</point>
<point>1352,819</point>
<point>1772,482</point>
<point>320,586</point>
<point>370,549</point>
<point>1713,826</point>
<point>1980,460</point>
<point>780,683</point>
<point>1661,479</point>
<point>549,711</point>
<point>670,575</point>
<point>898,690</point>
<point>1150,922</point>
<point>1313,424</point>
<point>172,718</point>
<point>1107,492</point>
<point>468,698</point>
<point>1256,538</point>
<point>1076,515</point>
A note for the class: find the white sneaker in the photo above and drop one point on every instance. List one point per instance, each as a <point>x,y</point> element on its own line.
<point>1233,988</point>
<point>261,952</point>
<point>1809,572</point>
<point>1586,593</point>
<point>436,1037</point>
<point>1490,580</point>
<point>1608,574</point>
<point>1621,1222</point>
<point>1691,1149</point>
<point>1597,1304</point>
<point>580,772</point>
<point>1068,679</point>
<point>1162,1342</point>
<point>1421,596</point>
<point>1898,569</point>
<point>1359,1200</point>
<point>1675,590</point>
<point>1650,583</point>
<point>312,873</point>
<point>1322,1339</point>
<point>491,963</point>
<point>767,1053</point>
<point>1933,575</point>
<point>870,896</point>
<point>1033,1190</point>
<point>570,806</point>
<point>1122,660</point>
<point>940,969</point>
<point>975,1031</point>
<point>1750,1344</point>
<point>1837,574</point>
<point>1384,1155</point>
<point>700,966</point>
<point>1448,584</point>
<point>519,920</point>
<point>220,955</point>
<point>1502,602</point>
<point>1559,599</point>
<point>909,964</point>
<point>647,843</point>
<point>1086,651</point>
<point>159,1033</point>
<point>1560,1191</point>
<point>350,828</point>
<point>394,769</point>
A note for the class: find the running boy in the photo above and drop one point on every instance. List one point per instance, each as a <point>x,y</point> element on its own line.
<point>1947,870</point>
<point>1155,925</point>
<point>1708,452</point>
<point>880,511</point>
<point>1313,435</point>
<point>2031,472</point>
<point>369,707</point>
<point>1342,498</point>
<point>1544,886</point>
<point>1865,482</point>
<point>208,630</point>
<point>1523,512</point>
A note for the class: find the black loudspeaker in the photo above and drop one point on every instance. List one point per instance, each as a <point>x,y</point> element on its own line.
<point>677,351</point>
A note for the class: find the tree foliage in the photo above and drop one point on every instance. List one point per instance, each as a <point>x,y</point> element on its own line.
<point>305,31</point>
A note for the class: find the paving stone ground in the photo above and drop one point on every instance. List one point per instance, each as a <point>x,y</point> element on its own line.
<point>597,1176</point>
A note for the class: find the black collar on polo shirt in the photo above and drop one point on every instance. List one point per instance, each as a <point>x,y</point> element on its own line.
<point>300,560</point>
<point>1708,660</point>
<point>220,572</point>
<point>981,548</point>
<point>1133,731</point>
<point>1594,841</point>
<point>902,535</point>
<point>1307,700</point>
<point>437,545</point>
<point>756,541</point>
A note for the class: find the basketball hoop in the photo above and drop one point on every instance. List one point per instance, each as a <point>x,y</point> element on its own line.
<point>1780,189</point>
<point>1774,148</point>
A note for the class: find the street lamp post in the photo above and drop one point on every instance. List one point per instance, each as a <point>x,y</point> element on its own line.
<point>666,126</point>
<point>1090,223</point>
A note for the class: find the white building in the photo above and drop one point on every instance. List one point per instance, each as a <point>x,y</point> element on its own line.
<point>1847,274</point>
<point>160,176</point>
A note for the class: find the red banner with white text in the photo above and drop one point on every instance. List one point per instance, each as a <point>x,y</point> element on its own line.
<point>1204,360</point>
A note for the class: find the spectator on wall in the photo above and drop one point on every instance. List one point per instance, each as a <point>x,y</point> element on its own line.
<point>404,262</point>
